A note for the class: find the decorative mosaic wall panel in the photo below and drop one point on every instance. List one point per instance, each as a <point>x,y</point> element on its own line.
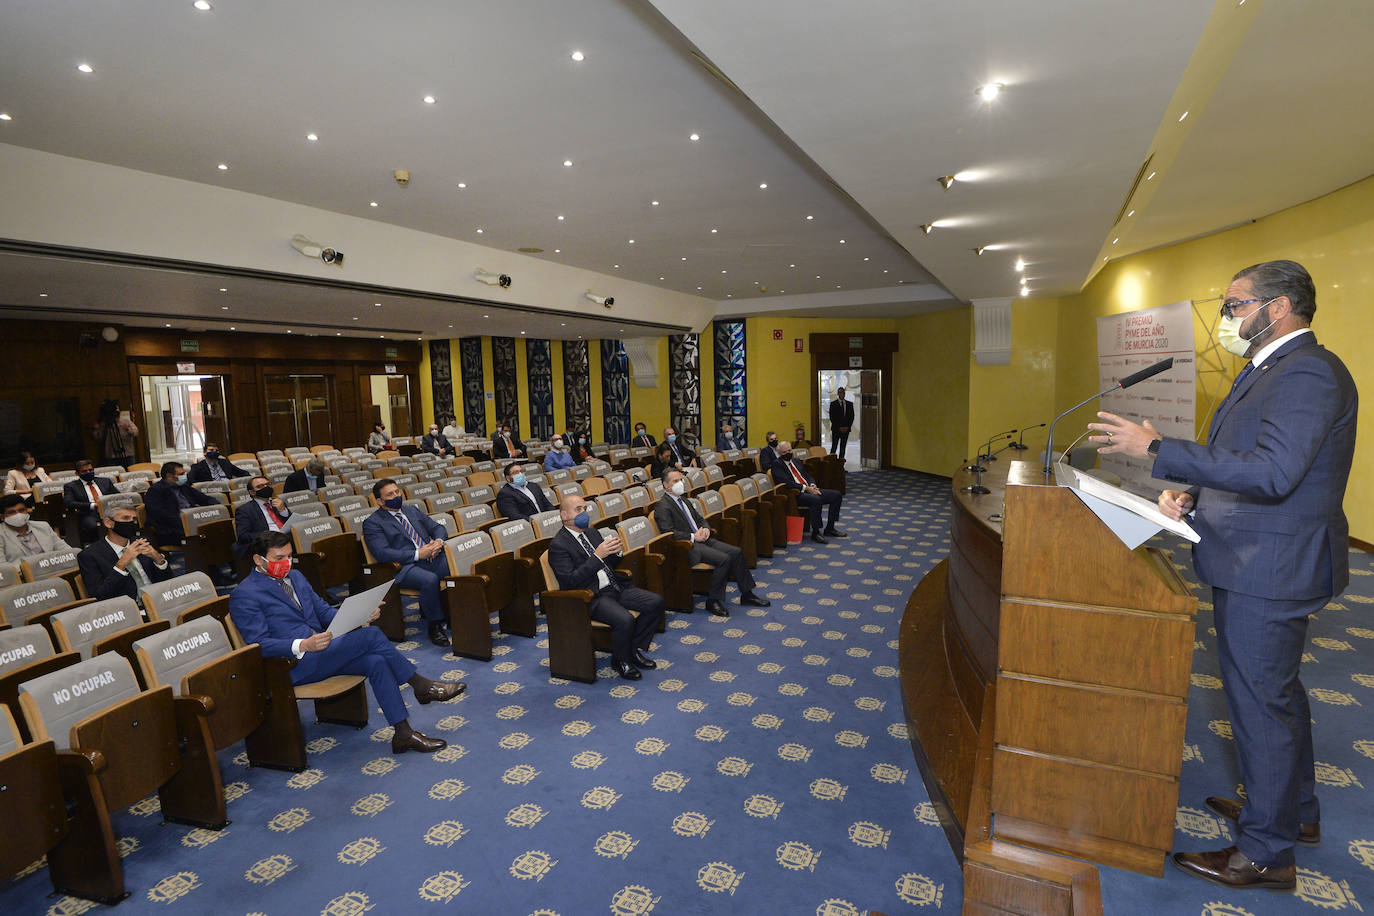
<point>730,382</point>
<point>441,379</point>
<point>684,387</point>
<point>577,384</point>
<point>474,396</point>
<point>539,362</point>
<point>504,382</point>
<point>615,391</point>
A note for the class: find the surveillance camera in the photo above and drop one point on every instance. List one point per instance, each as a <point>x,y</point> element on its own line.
<point>402,177</point>
<point>608,301</point>
<point>315,250</point>
<point>490,279</point>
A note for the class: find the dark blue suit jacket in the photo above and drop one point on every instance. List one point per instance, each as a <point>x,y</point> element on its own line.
<point>388,541</point>
<point>164,512</point>
<point>723,446</point>
<point>249,522</point>
<point>572,566</point>
<point>511,503</point>
<point>265,615</point>
<point>1271,479</point>
<point>200,471</point>
<point>783,475</point>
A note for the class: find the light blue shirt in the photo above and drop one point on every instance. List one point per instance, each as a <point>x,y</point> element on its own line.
<point>554,461</point>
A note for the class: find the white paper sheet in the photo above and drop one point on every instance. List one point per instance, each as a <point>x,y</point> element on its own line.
<point>357,609</point>
<point>1085,485</point>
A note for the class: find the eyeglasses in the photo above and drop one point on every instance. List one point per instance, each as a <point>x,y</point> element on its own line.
<point>1229,307</point>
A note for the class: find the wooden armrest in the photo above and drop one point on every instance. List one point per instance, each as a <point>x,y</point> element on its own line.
<point>87,762</point>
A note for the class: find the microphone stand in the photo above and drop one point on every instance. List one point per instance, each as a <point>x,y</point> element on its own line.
<point>987,452</point>
<point>977,486</point>
<point>1020,444</point>
<point>1126,382</point>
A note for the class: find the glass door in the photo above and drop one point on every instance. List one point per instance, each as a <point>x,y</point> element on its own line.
<point>387,400</point>
<point>863,389</point>
<point>298,411</point>
<point>182,413</point>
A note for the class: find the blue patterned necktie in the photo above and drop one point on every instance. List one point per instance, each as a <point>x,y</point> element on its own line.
<point>410,529</point>
<point>1235,386</point>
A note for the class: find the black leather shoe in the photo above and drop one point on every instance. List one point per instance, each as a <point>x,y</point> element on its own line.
<point>407,739</point>
<point>438,636</point>
<point>1229,808</point>
<point>716,608</point>
<point>644,661</point>
<point>755,600</point>
<point>628,671</point>
<point>835,533</point>
<point>439,691</point>
<point>1230,868</point>
<point>819,539</point>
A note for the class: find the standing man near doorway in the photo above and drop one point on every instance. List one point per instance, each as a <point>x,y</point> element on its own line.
<point>841,421</point>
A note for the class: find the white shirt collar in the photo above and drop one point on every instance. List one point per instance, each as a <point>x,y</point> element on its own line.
<point>119,551</point>
<point>1268,349</point>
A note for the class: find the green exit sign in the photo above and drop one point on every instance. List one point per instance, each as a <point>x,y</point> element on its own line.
<point>856,343</point>
<point>390,352</point>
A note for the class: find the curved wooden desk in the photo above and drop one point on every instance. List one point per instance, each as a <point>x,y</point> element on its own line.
<point>1045,672</point>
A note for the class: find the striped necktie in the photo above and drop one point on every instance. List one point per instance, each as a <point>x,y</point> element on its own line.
<point>409,529</point>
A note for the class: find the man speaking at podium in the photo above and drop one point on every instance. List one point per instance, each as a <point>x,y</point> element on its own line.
<point>1266,493</point>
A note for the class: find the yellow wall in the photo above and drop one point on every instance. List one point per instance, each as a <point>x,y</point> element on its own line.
<point>931,413</point>
<point>1023,393</point>
<point>649,406</point>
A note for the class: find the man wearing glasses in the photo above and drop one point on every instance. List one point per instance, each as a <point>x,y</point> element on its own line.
<point>1265,493</point>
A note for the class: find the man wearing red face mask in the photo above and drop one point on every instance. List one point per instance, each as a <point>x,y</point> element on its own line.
<point>276,608</point>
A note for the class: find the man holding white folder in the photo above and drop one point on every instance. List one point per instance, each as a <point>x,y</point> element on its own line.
<point>276,608</point>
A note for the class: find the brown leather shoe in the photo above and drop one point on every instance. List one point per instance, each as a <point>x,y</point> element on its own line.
<point>1230,868</point>
<point>406,738</point>
<point>439,691</point>
<point>1229,808</point>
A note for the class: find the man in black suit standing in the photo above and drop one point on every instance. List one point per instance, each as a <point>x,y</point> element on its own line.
<point>792,474</point>
<point>519,498</point>
<point>264,512</point>
<point>82,495</point>
<point>673,513</point>
<point>841,422</point>
<point>311,477</point>
<point>505,445</point>
<point>213,467</point>
<point>165,499</point>
<point>581,558</point>
<point>642,438</point>
<point>123,562</point>
<point>682,455</point>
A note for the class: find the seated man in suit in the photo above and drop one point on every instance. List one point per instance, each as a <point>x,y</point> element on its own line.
<point>558,456</point>
<point>435,442</point>
<point>642,439</point>
<point>504,445</point>
<point>213,467</point>
<point>311,477</point>
<point>276,608</point>
<point>673,513</point>
<point>663,460</point>
<point>22,536</point>
<point>519,498</point>
<point>123,562</point>
<point>82,496</point>
<point>264,512</point>
<point>165,499</point>
<point>683,457</point>
<point>581,558</point>
<point>768,455</point>
<point>726,441</point>
<point>397,533</point>
<point>792,474</point>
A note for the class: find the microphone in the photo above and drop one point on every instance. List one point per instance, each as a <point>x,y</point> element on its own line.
<point>986,450</point>
<point>1020,444</point>
<point>1128,381</point>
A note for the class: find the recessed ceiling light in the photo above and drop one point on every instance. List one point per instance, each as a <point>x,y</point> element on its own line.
<point>5,117</point>
<point>729,295</point>
<point>660,278</point>
<point>714,231</point>
<point>615,266</point>
<point>567,163</point>
<point>224,308</point>
<point>87,68</point>
<point>1129,215</point>
<point>561,324</point>
<point>837,286</point>
<point>450,325</point>
<point>684,259</point>
<point>884,271</point>
<point>355,317</point>
<point>479,231</point>
<point>558,251</point>
<point>522,332</point>
<point>340,333</point>
<point>288,330</point>
<point>372,203</point>
<point>1150,176</point>
<point>312,137</point>
<point>722,271</point>
<point>222,167</point>
<point>224,289</point>
<point>632,241</point>
<point>694,137</point>
<point>989,91</point>
<point>865,259</point>
<point>818,276</point>
<point>486,316</point>
<point>203,5</point>
<point>841,241</point>
<point>1025,290</point>
<point>791,265</point>
<point>429,100</point>
<point>698,287</point>
<point>653,203</point>
<point>1114,241</point>
<point>578,56</point>
<point>560,217</point>
<point>763,186</point>
<point>166,325</point>
<point>42,295</point>
<point>1182,116</point>
<point>809,216</point>
<point>462,185</point>
<point>232,328</point>
<point>1020,264</point>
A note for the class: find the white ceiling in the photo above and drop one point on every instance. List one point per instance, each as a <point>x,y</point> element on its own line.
<point>877,95</point>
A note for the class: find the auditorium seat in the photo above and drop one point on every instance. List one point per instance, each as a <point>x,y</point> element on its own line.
<point>103,626</point>
<point>308,509</point>
<point>32,805</point>
<point>681,577</point>
<point>444,502</point>
<point>732,522</point>
<point>527,544</point>
<point>116,744</point>
<point>565,489</point>
<point>784,504</point>
<point>478,517</point>
<point>209,538</point>
<point>574,637</point>
<point>594,486</point>
<point>10,574</point>
<point>480,582</point>
<point>35,602</point>
<point>580,472</point>
<point>26,653</point>
<point>762,507</point>
<point>479,494</point>
<point>60,563</point>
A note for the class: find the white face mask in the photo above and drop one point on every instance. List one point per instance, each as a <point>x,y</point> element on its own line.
<point>679,488</point>
<point>17,520</point>
<point>1228,332</point>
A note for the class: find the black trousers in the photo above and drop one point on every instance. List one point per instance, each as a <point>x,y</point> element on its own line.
<point>838,442</point>
<point>727,560</point>
<point>812,501</point>
<point>90,526</point>
<point>628,632</point>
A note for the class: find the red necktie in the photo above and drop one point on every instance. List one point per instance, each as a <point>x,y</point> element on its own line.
<point>95,494</point>
<point>795,475</point>
<point>276,519</point>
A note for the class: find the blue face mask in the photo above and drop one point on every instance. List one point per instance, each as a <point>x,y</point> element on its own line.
<point>519,480</point>
<point>582,521</point>
<point>181,481</point>
<point>672,437</point>
<point>394,502</point>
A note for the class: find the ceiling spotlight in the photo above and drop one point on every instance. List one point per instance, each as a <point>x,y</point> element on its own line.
<point>653,203</point>
<point>979,250</point>
<point>5,117</point>
<point>429,100</point>
<point>462,185</point>
<point>809,216</point>
<point>1114,241</point>
<point>1182,116</point>
<point>865,259</point>
<point>1025,290</point>
<point>763,186</point>
<point>42,295</point>
<point>946,181</point>
<point>1129,215</point>
<point>567,163</point>
<point>1020,264</point>
<point>223,167</point>
<point>684,259</point>
<point>372,203</point>
<point>1150,177</point>
<point>989,91</point>
<point>311,137</point>
<point>694,137</point>
<point>479,231</point>
<point>632,241</point>
<point>224,308</point>
<point>376,305</point>
<point>558,251</point>
<point>578,56</point>
<point>203,5</point>
<point>927,228</point>
<point>560,217</point>
<point>841,241</point>
<point>224,289</point>
<point>714,231</point>
<point>87,68</point>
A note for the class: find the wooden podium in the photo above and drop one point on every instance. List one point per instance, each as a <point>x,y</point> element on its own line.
<point>1045,674</point>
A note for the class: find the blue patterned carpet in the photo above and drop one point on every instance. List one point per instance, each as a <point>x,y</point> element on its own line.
<point>764,768</point>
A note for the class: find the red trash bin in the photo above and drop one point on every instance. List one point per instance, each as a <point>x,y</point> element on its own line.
<point>795,524</point>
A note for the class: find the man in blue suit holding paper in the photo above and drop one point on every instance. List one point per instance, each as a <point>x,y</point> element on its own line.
<point>397,533</point>
<point>276,608</point>
<point>1266,493</point>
